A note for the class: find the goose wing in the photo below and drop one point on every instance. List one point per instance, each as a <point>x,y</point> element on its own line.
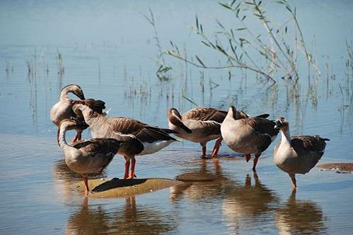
<point>262,125</point>
<point>97,146</point>
<point>143,131</point>
<point>206,114</point>
<point>264,131</point>
<point>309,143</point>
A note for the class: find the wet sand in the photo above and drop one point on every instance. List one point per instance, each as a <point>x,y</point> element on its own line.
<point>115,187</point>
<point>346,167</point>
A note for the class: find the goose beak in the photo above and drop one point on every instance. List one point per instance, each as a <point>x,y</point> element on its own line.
<point>278,125</point>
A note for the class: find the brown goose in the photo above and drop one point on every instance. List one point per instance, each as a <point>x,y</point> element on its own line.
<point>149,139</point>
<point>89,156</point>
<point>200,125</point>
<point>249,135</point>
<point>63,109</point>
<point>297,154</point>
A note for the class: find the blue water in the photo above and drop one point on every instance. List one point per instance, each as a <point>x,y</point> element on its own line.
<point>110,50</point>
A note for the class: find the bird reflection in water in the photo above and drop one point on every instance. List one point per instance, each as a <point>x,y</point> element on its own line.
<point>245,205</point>
<point>64,179</point>
<point>130,218</point>
<point>299,217</point>
<point>88,220</point>
<point>200,184</point>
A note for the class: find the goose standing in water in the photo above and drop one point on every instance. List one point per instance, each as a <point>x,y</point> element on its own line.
<point>143,138</point>
<point>200,125</point>
<point>297,154</point>
<point>63,108</point>
<point>248,135</point>
<point>89,156</point>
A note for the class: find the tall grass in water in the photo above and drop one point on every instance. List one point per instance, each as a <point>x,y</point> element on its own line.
<point>163,69</point>
<point>60,64</point>
<point>279,46</point>
<point>346,89</point>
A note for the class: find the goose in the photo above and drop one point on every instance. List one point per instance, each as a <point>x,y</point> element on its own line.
<point>144,139</point>
<point>90,156</point>
<point>297,154</point>
<point>63,108</point>
<point>248,135</point>
<point>200,125</point>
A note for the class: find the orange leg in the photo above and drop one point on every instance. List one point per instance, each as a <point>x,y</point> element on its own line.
<point>216,147</point>
<point>127,167</point>
<point>77,137</point>
<point>294,181</point>
<point>132,172</point>
<point>85,179</point>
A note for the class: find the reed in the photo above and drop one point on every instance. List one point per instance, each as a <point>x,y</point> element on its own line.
<point>60,63</point>
<point>278,45</point>
<point>163,69</point>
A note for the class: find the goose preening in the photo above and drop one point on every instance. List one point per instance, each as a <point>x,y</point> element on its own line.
<point>248,135</point>
<point>143,138</point>
<point>200,125</point>
<point>89,156</point>
<point>297,154</point>
<point>63,108</point>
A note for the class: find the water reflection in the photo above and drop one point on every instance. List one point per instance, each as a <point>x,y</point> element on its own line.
<point>88,220</point>
<point>200,184</point>
<point>299,217</point>
<point>246,202</point>
<point>131,219</point>
<point>64,178</point>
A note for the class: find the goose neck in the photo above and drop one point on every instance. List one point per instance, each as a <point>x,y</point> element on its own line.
<point>285,136</point>
<point>62,137</point>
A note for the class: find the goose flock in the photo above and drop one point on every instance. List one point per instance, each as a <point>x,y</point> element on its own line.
<point>129,137</point>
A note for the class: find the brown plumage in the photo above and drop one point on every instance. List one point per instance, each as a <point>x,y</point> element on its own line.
<point>143,138</point>
<point>248,135</point>
<point>63,108</point>
<point>297,154</point>
<point>200,125</point>
<point>89,156</point>
<point>205,114</point>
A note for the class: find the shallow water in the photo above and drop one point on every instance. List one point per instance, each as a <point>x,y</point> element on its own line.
<point>110,51</point>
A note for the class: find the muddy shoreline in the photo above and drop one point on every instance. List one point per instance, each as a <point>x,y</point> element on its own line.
<point>346,167</point>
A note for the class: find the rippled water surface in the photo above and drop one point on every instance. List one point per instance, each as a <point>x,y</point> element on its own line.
<point>110,50</point>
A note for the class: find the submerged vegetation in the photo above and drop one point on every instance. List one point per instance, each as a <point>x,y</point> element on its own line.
<point>273,52</point>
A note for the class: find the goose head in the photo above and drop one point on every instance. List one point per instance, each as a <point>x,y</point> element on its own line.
<point>233,113</point>
<point>174,112</point>
<point>281,124</point>
<point>75,89</point>
<point>174,118</point>
<point>82,110</point>
<point>72,124</point>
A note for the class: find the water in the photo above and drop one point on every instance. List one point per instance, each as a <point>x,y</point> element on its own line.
<point>109,49</point>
